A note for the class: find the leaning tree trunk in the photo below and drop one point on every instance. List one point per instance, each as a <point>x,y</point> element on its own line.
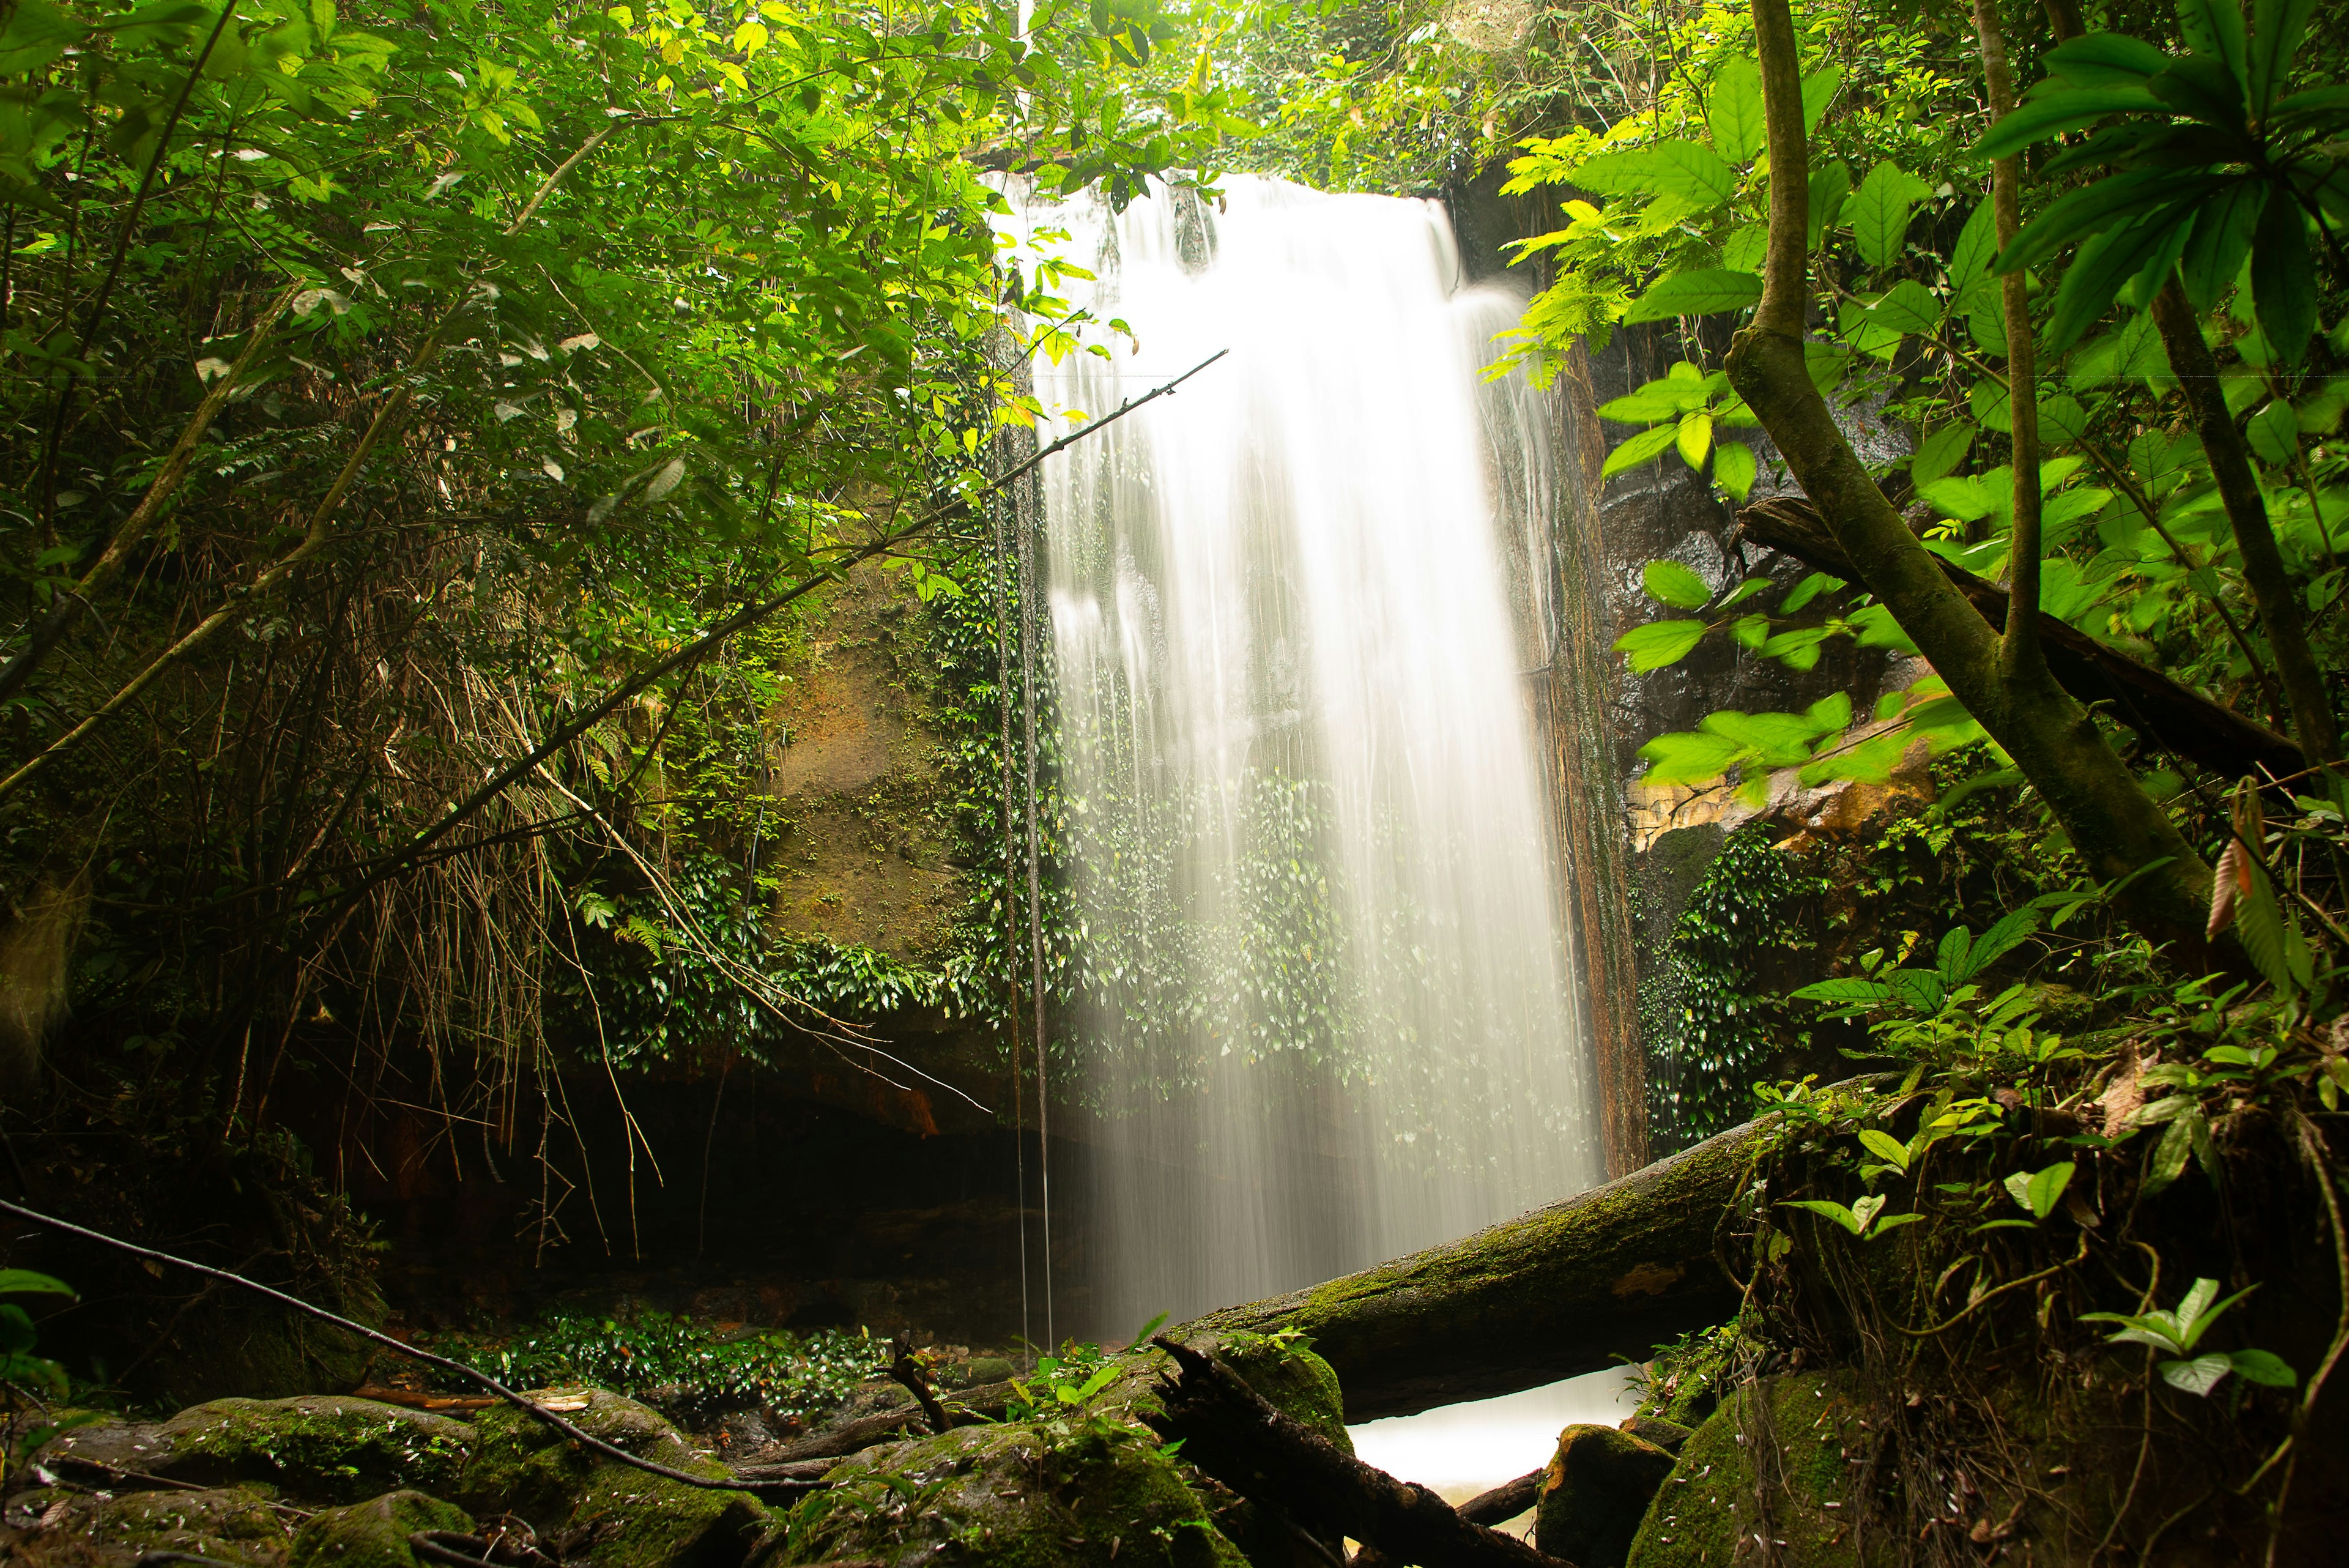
<point>1577,1287</point>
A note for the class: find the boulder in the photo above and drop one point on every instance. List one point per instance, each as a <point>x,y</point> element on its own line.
<point>318,1449</point>
<point>606,1513</point>
<point>1668,1435</point>
<point>1595,1493</point>
<point>1712,1502</point>
<point>228,1524</point>
<point>373,1535</point>
<point>1075,1491</point>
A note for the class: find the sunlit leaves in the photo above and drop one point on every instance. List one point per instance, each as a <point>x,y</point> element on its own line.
<point>1660,643</point>
<point>1733,109</point>
<point>1879,212</point>
<point>1704,292</point>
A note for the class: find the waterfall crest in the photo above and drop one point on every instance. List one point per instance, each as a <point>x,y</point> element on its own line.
<point>1330,1013</point>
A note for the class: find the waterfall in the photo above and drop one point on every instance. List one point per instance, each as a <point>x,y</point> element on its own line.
<point>1297,613</point>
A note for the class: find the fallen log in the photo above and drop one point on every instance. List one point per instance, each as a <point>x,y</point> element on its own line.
<point>1240,1438</point>
<point>1604,1276</point>
<point>2147,700</point>
<point>985,1400</point>
<point>1496,1507</point>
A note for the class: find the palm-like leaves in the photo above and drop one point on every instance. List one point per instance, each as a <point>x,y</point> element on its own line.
<point>2212,162</point>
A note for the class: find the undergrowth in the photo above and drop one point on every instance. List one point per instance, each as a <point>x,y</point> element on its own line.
<point>688,1364</point>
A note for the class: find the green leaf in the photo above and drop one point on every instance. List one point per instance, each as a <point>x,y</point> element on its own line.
<point>1675,585</point>
<point>1879,211</point>
<point>2062,420</point>
<point>1807,590</point>
<point>24,1281</point>
<point>1658,644</point>
<point>2284,279</point>
<point>2073,216</point>
<point>1940,451</point>
<point>1702,292</point>
<point>1695,439</point>
<point>2259,921</point>
<point>1735,469</point>
<point>1819,91</point>
<point>1629,172</point>
<point>2066,109</point>
<point>2263,1367</point>
<point>2106,59</point>
<point>1830,1210</point>
<point>1885,1147</point>
<point>2215,28</point>
<point>2169,1157</point>
<point>1846,992</point>
<point>1642,448</point>
<point>2044,1190</point>
<point>1977,245</point>
<point>1907,307</point>
<point>2001,938</point>
<point>1733,110</point>
<point>2274,433</point>
<point>1830,182</point>
<point>1686,757</point>
<point>2197,1376</point>
<point>1694,172</point>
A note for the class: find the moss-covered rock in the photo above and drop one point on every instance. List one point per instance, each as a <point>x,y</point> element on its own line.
<point>323,1447</point>
<point>229,1524</point>
<point>373,1535</point>
<point>618,1516</point>
<point>1595,1493</point>
<point>1292,1378</point>
<point>1021,1495</point>
<point>1801,1431</point>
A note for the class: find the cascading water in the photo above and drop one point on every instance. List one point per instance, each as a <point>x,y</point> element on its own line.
<point>1294,610</point>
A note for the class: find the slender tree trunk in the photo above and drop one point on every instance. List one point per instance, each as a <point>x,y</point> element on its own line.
<point>2304,689</point>
<point>2113,824</point>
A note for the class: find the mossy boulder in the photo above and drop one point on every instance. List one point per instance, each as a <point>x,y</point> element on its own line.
<point>1293,1379</point>
<point>618,1516</point>
<point>1595,1493</point>
<point>1020,1495</point>
<point>322,1448</point>
<point>373,1535</point>
<point>1799,1429</point>
<point>227,1525</point>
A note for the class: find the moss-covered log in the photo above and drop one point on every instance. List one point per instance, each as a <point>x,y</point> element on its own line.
<point>1567,1289</point>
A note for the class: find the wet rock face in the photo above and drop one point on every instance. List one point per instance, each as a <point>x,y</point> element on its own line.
<point>1595,1494</point>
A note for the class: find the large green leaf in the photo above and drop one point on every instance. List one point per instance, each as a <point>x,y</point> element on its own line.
<point>1733,109</point>
<point>1702,292</point>
<point>1670,582</point>
<point>1735,469</point>
<point>1692,171</point>
<point>2204,89</point>
<point>2213,257</point>
<point>1659,643</point>
<point>1627,173</point>
<point>1909,307</point>
<point>1831,183</point>
<point>1879,211</point>
<point>1685,758</point>
<point>1940,452</point>
<point>2106,59</point>
<point>2215,28</point>
<point>24,1281</point>
<point>2095,276</point>
<point>1970,257</point>
<point>2076,215</point>
<point>1644,447</point>
<point>1819,91</point>
<point>2068,109</point>
<point>2284,280</point>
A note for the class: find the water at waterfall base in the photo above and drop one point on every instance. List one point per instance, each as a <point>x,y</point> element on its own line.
<point>1463,1450</point>
<point>1298,628</point>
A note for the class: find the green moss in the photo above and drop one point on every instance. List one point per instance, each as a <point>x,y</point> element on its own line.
<point>1595,1494</point>
<point>623,1517</point>
<point>1293,1378</point>
<point>1013,1496</point>
<point>373,1535</point>
<point>1805,1427</point>
<point>235,1525</point>
<point>323,1448</point>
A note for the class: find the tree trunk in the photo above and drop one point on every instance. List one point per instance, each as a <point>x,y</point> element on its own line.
<point>1579,1286</point>
<point>2116,828</point>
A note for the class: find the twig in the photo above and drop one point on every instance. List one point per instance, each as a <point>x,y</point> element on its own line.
<point>375,1337</point>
